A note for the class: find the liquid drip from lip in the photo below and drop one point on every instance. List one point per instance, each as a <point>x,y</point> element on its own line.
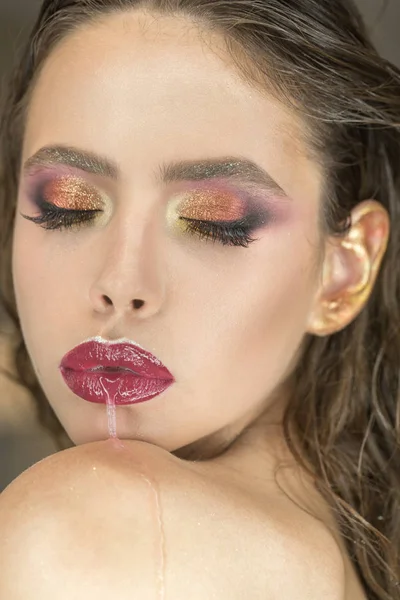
<point>150,482</point>
<point>155,502</point>
<point>111,411</point>
<point>160,548</point>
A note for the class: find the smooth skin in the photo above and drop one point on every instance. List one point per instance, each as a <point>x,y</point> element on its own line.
<point>228,323</point>
<point>84,524</point>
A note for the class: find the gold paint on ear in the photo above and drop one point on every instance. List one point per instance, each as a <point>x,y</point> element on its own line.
<point>350,269</point>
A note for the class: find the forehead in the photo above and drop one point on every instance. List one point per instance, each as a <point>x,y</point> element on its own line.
<point>133,78</point>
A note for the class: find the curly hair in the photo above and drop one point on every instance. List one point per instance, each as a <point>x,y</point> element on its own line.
<point>343,417</point>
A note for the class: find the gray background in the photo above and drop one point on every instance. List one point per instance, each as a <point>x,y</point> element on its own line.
<point>22,443</point>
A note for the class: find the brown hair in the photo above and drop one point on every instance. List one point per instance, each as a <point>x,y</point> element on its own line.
<point>344,413</point>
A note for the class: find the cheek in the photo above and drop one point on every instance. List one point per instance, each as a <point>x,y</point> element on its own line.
<point>284,301</point>
<point>28,289</point>
<point>36,278</point>
<point>276,308</point>
<point>24,264</point>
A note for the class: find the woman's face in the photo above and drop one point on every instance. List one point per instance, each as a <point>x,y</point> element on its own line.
<point>226,320</point>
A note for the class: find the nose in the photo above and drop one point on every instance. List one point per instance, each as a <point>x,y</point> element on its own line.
<point>129,268</point>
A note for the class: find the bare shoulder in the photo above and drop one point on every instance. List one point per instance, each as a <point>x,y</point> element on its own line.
<point>79,524</point>
<point>96,522</point>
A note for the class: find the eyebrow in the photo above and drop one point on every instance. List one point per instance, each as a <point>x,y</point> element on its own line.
<point>228,167</point>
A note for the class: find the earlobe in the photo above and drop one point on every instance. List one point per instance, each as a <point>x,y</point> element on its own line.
<point>350,268</point>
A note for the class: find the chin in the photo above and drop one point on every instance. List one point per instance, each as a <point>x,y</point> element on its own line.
<point>80,436</point>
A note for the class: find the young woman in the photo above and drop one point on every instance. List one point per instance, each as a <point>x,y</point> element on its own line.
<point>200,216</point>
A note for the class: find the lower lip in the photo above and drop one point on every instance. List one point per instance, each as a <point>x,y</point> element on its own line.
<point>120,387</point>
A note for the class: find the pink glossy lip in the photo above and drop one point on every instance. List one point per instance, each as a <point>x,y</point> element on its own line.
<point>123,372</point>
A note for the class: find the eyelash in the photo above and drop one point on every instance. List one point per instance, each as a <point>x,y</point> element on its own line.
<point>236,233</point>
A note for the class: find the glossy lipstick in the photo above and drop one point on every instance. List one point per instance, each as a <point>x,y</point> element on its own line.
<point>119,371</point>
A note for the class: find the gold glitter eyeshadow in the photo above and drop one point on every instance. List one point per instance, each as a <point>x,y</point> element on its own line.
<point>71,193</point>
<point>210,206</point>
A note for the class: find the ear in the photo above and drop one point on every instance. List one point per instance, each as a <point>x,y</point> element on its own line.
<point>350,269</point>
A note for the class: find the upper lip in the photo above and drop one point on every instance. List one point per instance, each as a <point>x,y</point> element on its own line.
<point>123,354</point>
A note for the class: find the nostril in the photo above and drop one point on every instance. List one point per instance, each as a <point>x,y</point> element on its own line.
<point>138,303</point>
